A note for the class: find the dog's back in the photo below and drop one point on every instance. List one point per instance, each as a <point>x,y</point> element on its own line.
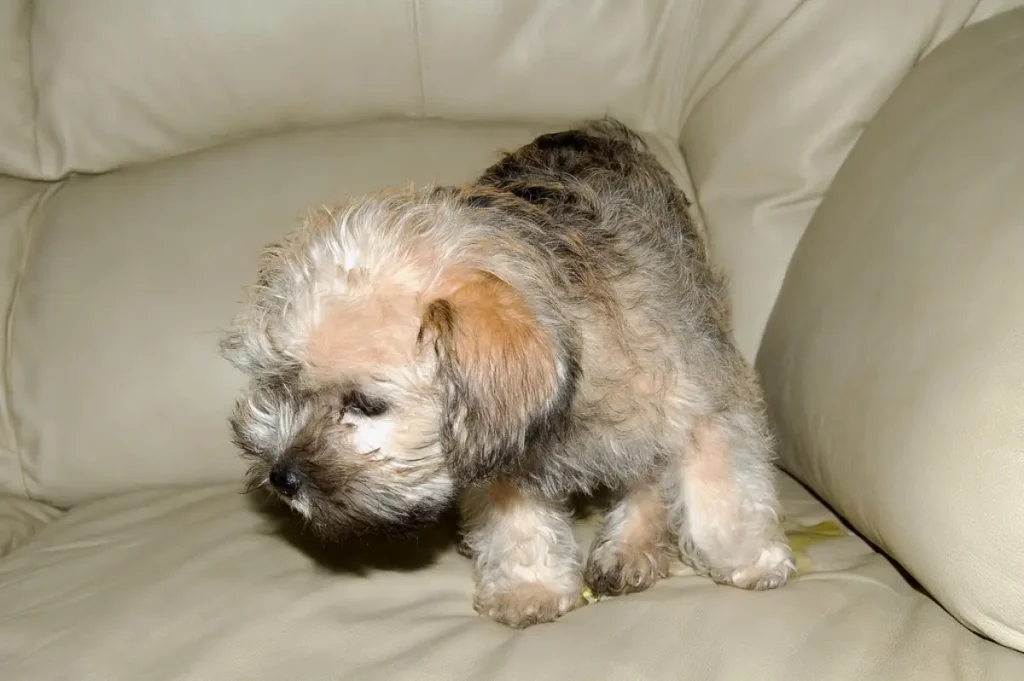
<point>591,171</point>
<point>600,181</point>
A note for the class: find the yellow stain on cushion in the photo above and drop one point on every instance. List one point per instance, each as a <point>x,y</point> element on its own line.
<point>802,537</point>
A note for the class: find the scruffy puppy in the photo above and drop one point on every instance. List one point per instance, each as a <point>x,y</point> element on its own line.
<point>553,328</point>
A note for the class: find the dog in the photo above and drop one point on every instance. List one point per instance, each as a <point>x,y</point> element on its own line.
<point>554,328</point>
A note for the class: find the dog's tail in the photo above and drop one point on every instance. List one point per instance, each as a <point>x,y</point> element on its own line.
<point>610,128</point>
<point>614,130</point>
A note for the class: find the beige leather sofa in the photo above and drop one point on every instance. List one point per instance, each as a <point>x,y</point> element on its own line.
<point>860,168</point>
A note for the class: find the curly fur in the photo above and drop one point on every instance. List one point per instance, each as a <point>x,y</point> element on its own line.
<point>554,327</point>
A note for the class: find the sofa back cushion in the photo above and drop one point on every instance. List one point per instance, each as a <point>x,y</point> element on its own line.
<point>122,82</point>
<point>18,152</point>
<point>94,85</point>
<point>145,127</point>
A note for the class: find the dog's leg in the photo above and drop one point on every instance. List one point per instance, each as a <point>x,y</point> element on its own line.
<point>722,502</point>
<point>634,548</point>
<point>527,563</point>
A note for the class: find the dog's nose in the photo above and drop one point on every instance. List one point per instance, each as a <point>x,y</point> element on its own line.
<point>285,480</point>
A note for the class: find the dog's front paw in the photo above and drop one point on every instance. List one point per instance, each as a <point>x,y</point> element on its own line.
<point>616,568</point>
<point>773,568</point>
<point>524,604</point>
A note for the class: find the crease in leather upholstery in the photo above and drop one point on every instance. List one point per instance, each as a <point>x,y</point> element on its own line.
<point>672,67</point>
<point>34,87</point>
<point>417,28</point>
<point>9,410</point>
<point>20,519</point>
<point>17,107</point>
<point>737,60</point>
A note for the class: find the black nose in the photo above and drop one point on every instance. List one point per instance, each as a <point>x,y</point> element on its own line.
<point>285,480</point>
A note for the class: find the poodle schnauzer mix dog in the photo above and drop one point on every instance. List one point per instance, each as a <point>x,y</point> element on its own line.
<point>553,328</point>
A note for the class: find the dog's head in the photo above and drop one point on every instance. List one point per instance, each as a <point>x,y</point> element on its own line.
<point>391,361</point>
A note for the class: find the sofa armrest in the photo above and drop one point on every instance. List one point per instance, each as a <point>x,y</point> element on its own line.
<point>894,358</point>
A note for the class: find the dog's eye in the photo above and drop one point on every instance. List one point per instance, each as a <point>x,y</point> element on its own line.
<point>361,403</point>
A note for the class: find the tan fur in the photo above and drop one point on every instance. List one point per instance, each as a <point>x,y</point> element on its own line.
<point>376,331</point>
<point>499,343</point>
<point>707,463</point>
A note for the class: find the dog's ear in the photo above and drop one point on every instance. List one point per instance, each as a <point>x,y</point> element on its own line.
<point>499,373</point>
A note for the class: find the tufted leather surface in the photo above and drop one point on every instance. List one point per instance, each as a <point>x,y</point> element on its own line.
<point>148,149</point>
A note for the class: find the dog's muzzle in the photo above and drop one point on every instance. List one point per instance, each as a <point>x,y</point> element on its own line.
<point>285,480</point>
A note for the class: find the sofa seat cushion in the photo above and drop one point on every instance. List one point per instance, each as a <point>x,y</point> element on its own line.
<point>204,583</point>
